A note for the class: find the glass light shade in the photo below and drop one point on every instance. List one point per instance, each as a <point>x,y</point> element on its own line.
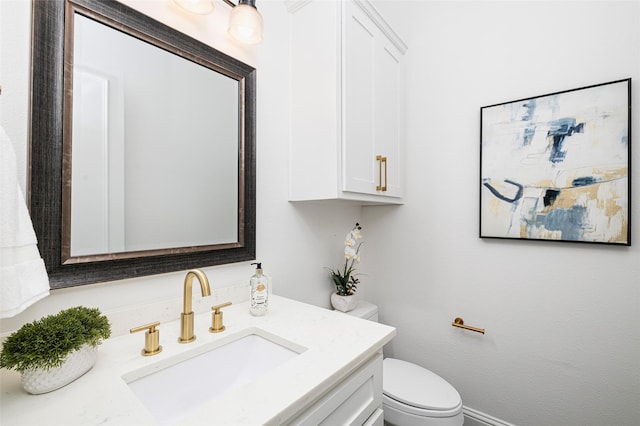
<point>201,7</point>
<point>245,24</point>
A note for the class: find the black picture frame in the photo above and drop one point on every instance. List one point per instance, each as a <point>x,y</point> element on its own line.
<point>557,167</point>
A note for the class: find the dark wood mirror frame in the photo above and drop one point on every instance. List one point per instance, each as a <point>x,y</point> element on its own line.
<point>47,153</point>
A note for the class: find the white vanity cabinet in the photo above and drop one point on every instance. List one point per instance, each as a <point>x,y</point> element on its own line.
<point>347,124</point>
<point>334,377</point>
<point>357,400</point>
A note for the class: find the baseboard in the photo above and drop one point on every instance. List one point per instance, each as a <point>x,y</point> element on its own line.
<point>474,417</point>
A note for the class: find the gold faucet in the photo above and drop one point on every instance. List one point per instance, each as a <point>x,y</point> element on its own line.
<point>151,338</point>
<point>186,318</point>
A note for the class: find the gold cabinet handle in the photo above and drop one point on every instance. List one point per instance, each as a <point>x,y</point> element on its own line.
<point>459,322</point>
<point>381,160</point>
<point>384,187</point>
<point>151,338</point>
<point>217,325</point>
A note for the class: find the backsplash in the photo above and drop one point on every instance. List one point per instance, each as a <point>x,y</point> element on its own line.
<point>169,310</point>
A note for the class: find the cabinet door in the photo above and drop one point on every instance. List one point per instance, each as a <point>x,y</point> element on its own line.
<point>371,138</point>
<point>388,112</point>
<point>358,58</point>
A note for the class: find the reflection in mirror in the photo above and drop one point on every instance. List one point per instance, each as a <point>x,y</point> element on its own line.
<point>142,146</point>
<point>154,147</point>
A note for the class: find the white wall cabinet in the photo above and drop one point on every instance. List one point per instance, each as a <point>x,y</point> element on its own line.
<point>357,400</point>
<point>347,96</point>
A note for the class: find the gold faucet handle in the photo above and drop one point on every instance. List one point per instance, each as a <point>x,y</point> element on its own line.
<point>216,319</point>
<point>151,338</point>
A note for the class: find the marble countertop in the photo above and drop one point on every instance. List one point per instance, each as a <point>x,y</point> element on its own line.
<point>335,345</point>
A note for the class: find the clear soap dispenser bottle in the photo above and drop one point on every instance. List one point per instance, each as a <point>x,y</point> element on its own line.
<point>259,297</point>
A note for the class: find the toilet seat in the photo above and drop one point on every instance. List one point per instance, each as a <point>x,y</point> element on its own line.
<point>412,389</point>
<point>389,402</point>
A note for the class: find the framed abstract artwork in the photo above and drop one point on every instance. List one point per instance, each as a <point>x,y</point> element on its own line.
<point>557,167</point>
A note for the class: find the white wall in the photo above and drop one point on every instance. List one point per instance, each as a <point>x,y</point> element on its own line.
<point>294,241</point>
<point>15,22</point>
<point>563,344</point>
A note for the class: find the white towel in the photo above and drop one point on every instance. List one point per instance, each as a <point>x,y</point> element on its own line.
<point>23,277</point>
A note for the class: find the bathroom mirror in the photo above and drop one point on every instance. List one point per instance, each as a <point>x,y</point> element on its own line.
<point>142,146</point>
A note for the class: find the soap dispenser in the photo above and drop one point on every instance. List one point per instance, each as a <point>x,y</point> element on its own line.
<point>259,296</point>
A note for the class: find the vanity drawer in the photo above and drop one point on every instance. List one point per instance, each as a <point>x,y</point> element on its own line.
<point>376,419</point>
<point>352,402</point>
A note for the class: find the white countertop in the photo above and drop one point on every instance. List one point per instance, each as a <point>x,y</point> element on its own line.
<point>336,344</point>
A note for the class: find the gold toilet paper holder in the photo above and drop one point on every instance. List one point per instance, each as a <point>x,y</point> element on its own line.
<point>459,322</point>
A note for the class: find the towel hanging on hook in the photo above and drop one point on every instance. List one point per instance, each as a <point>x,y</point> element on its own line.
<point>23,276</point>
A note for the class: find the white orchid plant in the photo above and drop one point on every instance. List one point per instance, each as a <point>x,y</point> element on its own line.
<point>345,279</point>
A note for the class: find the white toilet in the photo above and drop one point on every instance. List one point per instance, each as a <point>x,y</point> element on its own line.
<point>412,395</point>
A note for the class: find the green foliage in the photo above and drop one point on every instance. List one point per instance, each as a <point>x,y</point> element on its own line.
<point>45,343</point>
<point>345,280</point>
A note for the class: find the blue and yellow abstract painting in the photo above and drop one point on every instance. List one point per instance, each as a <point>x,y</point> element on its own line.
<point>556,167</point>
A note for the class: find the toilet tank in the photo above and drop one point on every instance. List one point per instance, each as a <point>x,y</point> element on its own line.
<point>365,310</point>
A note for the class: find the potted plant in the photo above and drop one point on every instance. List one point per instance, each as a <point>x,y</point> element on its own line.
<point>55,350</point>
<point>345,279</point>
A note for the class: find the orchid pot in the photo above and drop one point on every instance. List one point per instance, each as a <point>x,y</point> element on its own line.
<point>345,278</point>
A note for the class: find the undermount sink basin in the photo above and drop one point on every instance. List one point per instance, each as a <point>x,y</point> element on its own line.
<point>177,386</point>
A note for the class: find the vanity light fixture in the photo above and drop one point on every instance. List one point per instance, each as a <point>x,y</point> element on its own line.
<point>245,22</point>
<point>201,7</point>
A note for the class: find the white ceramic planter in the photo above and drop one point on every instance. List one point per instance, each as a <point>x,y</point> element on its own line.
<point>78,362</point>
<point>343,303</point>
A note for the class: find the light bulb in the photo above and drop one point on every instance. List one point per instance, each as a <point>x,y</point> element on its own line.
<point>201,7</point>
<point>245,24</point>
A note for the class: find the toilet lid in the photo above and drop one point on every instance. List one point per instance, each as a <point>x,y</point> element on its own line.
<point>418,387</point>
